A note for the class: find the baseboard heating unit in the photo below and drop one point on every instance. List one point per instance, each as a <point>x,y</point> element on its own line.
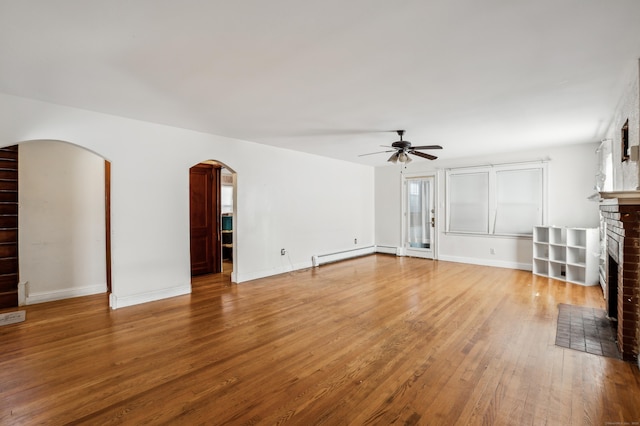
<point>387,250</point>
<point>322,259</point>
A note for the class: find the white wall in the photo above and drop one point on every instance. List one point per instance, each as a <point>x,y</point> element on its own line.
<point>62,221</point>
<point>285,199</point>
<point>572,172</point>
<point>388,206</point>
<point>626,176</point>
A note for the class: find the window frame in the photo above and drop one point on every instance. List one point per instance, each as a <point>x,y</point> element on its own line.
<point>492,171</point>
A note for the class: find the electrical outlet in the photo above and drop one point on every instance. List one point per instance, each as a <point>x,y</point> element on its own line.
<point>492,251</point>
<point>355,241</point>
<point>283,252</point>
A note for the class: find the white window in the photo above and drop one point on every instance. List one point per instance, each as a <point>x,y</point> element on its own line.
<point>469,202</point>
<point>496,200</point>
<point>226,197</point>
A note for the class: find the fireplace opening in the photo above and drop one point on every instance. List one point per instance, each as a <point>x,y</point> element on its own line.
<point>612,289</point>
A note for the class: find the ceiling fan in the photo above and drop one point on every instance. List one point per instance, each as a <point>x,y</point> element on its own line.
<point>401,148</point>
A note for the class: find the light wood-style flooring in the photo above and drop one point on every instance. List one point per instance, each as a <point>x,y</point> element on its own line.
<point>375,340</point>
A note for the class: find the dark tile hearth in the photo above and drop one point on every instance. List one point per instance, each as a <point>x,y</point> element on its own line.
<point>586,330</point>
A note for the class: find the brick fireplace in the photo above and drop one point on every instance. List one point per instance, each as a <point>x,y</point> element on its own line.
<point>620,212</point>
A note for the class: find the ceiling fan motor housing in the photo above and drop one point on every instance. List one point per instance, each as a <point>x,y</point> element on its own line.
<point>401,144</point>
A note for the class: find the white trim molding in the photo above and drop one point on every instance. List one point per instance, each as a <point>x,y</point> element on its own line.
<point>116,302</point>
<point>67,293</point>
<point>22,293</point>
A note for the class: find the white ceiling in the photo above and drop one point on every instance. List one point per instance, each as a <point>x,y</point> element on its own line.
<point>326,77</point>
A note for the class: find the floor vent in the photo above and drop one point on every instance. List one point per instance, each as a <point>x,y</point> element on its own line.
<point>12,317</point>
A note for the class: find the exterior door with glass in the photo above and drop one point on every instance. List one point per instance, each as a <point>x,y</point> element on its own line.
<point>419,221</point>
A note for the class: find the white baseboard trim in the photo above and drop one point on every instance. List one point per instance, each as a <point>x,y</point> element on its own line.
<point>67,293</point>
<point>485,262</point>
<point>322,259</point>
<point>22,293</point>
<point>116,302</point>
<point>388,250</point>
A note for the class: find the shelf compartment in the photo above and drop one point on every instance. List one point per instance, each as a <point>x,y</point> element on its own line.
<point>541,250</point>
<point>577,237</point>
<point>557,235</point>
<point>557,253</point>
<point>540,267</point>
<point>541,234</point>
<point>557,270</point>
<point>576,274</point>
<point>576,256</point>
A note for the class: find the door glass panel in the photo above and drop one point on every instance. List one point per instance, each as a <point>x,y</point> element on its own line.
<point>418,212</point>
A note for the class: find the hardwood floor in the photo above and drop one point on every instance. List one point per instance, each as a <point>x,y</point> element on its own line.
<point>375,340</point>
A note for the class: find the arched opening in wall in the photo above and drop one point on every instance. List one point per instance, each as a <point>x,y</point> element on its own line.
<point>212,194</point>
<point>63,221</point>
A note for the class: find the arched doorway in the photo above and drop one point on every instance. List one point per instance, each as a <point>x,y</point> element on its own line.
<point>212,194</point>
<point>63,221</point>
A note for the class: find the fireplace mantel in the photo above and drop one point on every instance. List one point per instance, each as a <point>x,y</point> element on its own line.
<point>622,198</point>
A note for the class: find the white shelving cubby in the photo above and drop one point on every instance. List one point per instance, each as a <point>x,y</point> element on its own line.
<point>567,254</point>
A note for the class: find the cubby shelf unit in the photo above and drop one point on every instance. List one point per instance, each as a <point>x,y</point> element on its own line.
<point>567,254</point>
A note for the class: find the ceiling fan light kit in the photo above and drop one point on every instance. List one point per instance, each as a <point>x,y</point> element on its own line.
<point>403,148</point>
<point>404,158</point>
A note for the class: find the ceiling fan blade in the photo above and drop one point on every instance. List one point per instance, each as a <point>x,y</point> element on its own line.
<point>423,155</point>
<point>427,147</point>
<point>394,157</point>
<point>379,152</point>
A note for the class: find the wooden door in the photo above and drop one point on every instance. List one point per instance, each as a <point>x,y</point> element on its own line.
<point>204,189</point>
<point>9,227</point>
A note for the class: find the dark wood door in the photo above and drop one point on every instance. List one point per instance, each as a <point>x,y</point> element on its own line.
<point>204,189</point>
<point>9,227</point>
